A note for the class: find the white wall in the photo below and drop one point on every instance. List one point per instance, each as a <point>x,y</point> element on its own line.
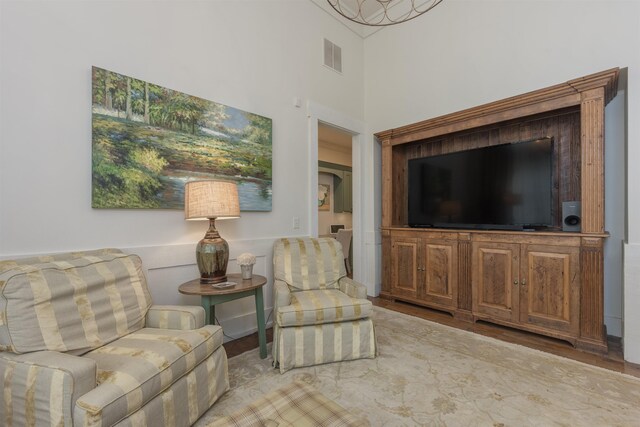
<point>466,53</point>
<point>257,56</point>
<point>253,55</point>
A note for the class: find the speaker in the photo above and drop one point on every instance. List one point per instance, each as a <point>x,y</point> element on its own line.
<point>571,219</point>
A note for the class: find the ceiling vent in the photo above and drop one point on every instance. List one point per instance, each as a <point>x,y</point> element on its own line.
<point>332,56</point>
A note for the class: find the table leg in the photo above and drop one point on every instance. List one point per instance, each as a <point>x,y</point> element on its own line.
<point>262,333</point>
<point>209,310</point>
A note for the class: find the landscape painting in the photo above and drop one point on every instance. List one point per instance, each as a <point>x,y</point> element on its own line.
<point>148,141</point>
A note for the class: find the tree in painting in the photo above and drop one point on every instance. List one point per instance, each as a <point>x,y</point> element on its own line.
<point>149,140</point>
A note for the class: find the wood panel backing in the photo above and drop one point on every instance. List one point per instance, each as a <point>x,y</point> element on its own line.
<point>563,127</point>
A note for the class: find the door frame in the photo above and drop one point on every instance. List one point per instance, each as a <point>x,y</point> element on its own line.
<point>316,114</point>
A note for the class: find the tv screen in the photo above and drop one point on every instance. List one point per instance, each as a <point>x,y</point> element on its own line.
<point>500,187</point>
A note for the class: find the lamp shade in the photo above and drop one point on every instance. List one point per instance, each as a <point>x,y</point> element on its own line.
<point>211,199</point>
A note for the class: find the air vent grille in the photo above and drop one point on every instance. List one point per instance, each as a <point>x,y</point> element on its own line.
<point>332,56</point>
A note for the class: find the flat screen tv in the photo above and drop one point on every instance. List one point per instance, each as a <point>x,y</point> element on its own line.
<point>499,187</point>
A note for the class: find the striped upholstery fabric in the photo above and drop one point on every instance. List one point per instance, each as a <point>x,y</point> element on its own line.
<point>308,263</point>
<point>352,288</point>
<point>321,316</point>
<point>134,369</point>
<point>75,350</point>
<point>175,317</point>
<point>40,388</point>
<point>330,342</point>
<point>294,405</point>
<point>6,265</point>
<point>52,305</point>
<point>187,399</point>
<point>322,306</point>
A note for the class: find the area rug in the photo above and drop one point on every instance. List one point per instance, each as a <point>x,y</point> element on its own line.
<point>295,405</point>
<point>427,374</point>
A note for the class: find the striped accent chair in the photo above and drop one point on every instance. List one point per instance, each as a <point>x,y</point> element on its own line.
<point>82,345</point>
<point>321,315</point>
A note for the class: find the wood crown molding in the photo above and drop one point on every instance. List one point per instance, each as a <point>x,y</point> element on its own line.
<point>539,101</point>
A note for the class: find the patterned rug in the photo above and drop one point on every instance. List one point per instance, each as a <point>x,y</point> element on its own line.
<point>429,374</point>
<point>294,405</point>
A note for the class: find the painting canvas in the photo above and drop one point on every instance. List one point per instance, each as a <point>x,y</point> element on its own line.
<point>324,197</point>
<point>148,141</point>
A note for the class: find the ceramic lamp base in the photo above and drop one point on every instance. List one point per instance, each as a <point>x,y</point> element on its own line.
<point>212,255</point>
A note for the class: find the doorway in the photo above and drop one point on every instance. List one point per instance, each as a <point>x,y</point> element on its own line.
<point>350,130</point>
<point>335,188</point>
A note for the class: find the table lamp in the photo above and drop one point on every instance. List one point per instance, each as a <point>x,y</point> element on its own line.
<point>211,200</point>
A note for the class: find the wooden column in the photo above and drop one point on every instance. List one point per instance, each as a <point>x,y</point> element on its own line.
<point>593,336</point>
<point>464,278</point>
<point>592,161</point>
<point>385,291</point>
<point>387,179</point>
<point>387,193</point>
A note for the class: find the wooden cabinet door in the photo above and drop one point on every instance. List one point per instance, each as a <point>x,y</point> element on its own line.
<point>404,266</point>
<point>495,267</point>
<point>439,268</point>
<point>550,287</point>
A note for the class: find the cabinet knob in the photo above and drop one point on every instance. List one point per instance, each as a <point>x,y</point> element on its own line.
<point>523,282</point>
<point>515,282</point>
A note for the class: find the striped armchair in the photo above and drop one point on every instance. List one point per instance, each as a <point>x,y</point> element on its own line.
<point>321,315</point>
<point>81,344</point>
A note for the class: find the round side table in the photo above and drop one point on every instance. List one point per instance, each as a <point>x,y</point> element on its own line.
<point>210,296</point>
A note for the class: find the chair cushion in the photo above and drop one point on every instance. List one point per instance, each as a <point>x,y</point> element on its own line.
<point>305,263</point>
<point>71,302</point>
<point>134,369</point>
<point>322,306</point>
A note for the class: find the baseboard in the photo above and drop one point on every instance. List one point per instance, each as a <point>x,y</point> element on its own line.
<point>614,326</point>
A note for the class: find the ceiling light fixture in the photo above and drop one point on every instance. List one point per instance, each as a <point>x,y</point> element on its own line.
<point>380,13</point>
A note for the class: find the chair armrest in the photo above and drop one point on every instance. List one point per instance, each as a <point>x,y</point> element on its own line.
<point>183,317</point>
<point>352,288</point>
<point>281,295</point>
<point>44,385</point>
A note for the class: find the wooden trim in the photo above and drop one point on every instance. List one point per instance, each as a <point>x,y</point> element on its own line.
<point>464,274</point>
<point>387,184</point>
<point>561,234</point>
<point>592,160</point>
<point>607,79</point>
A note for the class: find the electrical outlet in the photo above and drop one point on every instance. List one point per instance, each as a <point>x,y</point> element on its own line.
<point>296,223</point>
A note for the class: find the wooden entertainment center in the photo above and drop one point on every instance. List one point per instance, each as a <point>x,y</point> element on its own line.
<point>548,282</point>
